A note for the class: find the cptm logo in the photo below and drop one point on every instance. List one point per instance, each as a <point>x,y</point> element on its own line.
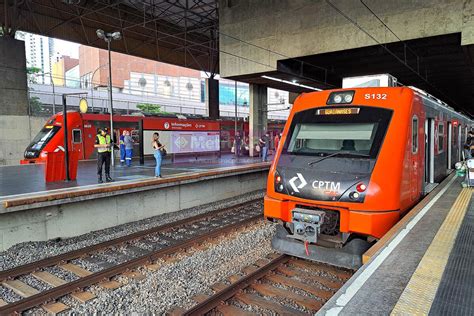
<point>167,125</point>
<point>301,185</point>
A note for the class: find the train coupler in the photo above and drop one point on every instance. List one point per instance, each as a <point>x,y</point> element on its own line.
<point>348,256</point>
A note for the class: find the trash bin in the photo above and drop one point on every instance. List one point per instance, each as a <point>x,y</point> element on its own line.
<point>55,166</point>
<point>73,163</point>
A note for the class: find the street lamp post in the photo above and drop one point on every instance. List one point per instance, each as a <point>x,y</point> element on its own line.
<point>108,37</point>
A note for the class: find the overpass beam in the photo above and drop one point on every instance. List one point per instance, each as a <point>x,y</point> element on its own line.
<point>212,100</point>
<point>258,115</point>
<point>13,87</point>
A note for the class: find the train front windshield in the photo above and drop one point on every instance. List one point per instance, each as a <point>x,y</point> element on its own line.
<point>318,132</point>
<point>41,139</point>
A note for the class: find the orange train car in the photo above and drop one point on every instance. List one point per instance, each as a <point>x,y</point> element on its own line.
<point>352,162</point>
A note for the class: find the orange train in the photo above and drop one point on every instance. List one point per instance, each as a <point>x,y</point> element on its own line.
<point>352,163</point>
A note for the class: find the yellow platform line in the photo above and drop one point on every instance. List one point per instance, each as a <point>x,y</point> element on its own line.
<point>420,292</point>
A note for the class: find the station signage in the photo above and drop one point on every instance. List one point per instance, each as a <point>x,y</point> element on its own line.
<point>180,125</point>
<point>338,111</point>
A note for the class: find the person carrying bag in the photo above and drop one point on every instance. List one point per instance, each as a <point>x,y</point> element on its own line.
<point>159,152</point>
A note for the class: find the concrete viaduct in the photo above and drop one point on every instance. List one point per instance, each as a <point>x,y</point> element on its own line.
<point>290,45</point>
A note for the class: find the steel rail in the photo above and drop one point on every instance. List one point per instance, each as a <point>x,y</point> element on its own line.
<point>62,290</point>
<point>33,266</point>
<point>227,293</point>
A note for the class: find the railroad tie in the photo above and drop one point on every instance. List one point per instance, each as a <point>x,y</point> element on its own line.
<point>24,290</point>
<point>200,298</point>
<point>81,272</point>
<point>252,299</point>
<point>280,279</point>
<point>317,267</point>
<point>316,278</point>
<point>231,310</point>
<point>51,279</point>
<point>269,290</point>
<point>2,303</point>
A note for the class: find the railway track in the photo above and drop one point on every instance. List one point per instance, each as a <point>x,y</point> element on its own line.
<point>156,243</point>
<point>280,284</point>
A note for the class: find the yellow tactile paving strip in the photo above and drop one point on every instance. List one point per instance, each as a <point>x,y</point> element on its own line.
<point>420,292</point>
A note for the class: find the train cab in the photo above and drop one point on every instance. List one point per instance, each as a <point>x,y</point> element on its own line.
<point>351,164</point>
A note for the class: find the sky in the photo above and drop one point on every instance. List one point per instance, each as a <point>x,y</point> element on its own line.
<point>66,48</point>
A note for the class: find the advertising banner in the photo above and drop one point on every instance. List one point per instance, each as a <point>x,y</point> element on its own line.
<point>180,142</point>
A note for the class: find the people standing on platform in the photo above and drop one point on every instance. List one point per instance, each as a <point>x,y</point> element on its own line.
<point>158,153</point>
<point>237,144</point>
<point>128,143</point>
<point>264,144</point>
<point>103,143</point>
<point>122,148</point>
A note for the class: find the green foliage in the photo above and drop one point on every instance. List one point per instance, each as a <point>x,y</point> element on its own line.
<point>35,105</point>
<point>32,70</point>
<point>150,108</point>
<point>31,73</point>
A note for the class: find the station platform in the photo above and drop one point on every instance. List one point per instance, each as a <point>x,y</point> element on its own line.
<point>422,266</point>
<point>24,179</point>
<point>35,211</point>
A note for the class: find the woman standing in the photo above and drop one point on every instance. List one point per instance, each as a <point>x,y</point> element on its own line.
<point>158,148</point>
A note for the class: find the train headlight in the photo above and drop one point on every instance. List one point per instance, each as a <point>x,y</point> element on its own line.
<point>348,98</point>
<point>279,187</point>
<point>354,195</point>
<point>341,97</point>
<point>361,187</point>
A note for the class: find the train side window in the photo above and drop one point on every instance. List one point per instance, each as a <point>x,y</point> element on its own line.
<point>414,135</point>
<point>76,136</point>
<point>440,137</point>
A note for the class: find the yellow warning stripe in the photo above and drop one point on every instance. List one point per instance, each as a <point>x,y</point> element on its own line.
<point>420,292</point>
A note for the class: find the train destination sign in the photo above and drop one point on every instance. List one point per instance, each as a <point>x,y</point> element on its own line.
<point>339,111</point>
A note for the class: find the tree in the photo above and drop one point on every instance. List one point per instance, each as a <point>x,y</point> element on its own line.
<point>31,73</point>
<point>150,108</point>
<point>35,105</point>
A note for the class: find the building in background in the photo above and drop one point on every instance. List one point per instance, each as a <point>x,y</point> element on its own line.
<point>137,76</point>
<point>66,72</point>
<point>40,53</point>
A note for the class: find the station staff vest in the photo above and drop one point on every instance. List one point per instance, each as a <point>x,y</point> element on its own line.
<point>102,141</point>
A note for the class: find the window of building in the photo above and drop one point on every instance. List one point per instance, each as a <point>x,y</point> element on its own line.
<point>440,137</point>
<point>414,135</point>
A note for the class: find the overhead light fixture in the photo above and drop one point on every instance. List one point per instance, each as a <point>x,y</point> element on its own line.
<point>294,83</point>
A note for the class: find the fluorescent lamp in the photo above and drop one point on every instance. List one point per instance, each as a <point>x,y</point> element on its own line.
<point>292,83</point>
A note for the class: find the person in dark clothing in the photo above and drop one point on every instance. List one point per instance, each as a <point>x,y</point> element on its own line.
<point>238,144</point>
<point>103,143</point>
<point>265,144</point>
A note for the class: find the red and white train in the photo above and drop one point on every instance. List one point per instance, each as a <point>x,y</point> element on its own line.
<point>82,129</point>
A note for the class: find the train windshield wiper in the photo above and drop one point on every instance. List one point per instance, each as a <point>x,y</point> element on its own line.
<point>337,154</point>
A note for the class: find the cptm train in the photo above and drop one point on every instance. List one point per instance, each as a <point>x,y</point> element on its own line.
<point>352,163</point>
<point>82,129</point>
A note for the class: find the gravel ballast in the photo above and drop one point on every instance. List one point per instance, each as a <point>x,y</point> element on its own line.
<point>32,251</point>
<point>174,284</point>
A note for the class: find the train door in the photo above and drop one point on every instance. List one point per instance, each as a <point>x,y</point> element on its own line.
<point>450,144</point>
<point>460,144</point>
<point>77,142</point>
<point>429,151</point>
<point>416,160</point>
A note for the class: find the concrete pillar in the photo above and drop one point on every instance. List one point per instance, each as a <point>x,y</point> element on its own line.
<point>13,87</point>
<point>258,115</point>
<point>212,100</point>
